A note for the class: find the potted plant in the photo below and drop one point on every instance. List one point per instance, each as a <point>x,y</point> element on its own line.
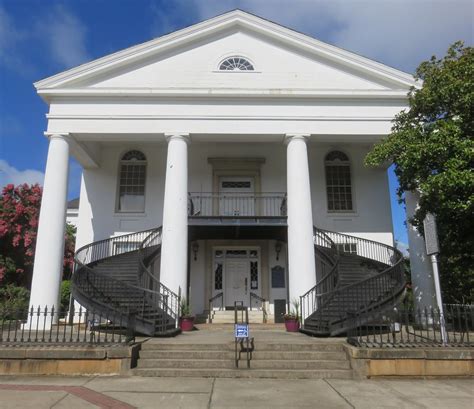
<point>186,320</point>
<point>292,319</point>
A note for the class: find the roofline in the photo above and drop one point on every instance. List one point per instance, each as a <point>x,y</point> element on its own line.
<point>49,94</point>
<point>223,21</point>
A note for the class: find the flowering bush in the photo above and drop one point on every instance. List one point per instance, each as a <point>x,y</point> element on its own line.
<point>19,215</point>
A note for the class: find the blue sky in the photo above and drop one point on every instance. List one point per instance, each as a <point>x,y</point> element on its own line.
<point>39,38</point>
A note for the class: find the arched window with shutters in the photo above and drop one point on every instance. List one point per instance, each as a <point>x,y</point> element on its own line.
<point>338,182</point>
<point>132,180</point>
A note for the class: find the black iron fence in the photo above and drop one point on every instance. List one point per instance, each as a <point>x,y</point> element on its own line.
<point>237,204</point>
<point>52,326</point>
<point>409,327</point>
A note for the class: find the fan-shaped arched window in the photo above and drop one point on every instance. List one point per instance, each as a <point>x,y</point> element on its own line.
<point>338,182</point>
<point>132,178</point>
<point>236,63</point>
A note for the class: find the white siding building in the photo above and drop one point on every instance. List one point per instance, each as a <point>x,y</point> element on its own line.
<point>237,136</point>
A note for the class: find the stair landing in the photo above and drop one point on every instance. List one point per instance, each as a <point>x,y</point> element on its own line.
<point>209,352</point>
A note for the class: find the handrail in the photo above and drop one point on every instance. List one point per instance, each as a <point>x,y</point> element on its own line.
<point>263,302</point>
<point>363,296</point>
<point>160,294</point>
<point>329,281</point>
<point>211,304</point>
<point>256,296</point>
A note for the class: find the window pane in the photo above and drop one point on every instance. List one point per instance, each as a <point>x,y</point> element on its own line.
<point>254,275</point>
<point>338,182</point>
<point>218,276</point>
<point>132,179</point>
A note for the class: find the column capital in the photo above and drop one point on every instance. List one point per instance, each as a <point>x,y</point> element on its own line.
<point>58,135</point>
<point>297,136</point>
<point>184,136</point>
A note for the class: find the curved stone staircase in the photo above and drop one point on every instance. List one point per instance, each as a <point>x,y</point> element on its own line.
<point>361,279</point>
<point>115,276</point>
<point>120,278</point>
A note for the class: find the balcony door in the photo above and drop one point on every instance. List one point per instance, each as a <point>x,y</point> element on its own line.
<point>236,196</point>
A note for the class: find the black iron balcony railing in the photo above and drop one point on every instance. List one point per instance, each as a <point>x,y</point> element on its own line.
<point>237,204</point>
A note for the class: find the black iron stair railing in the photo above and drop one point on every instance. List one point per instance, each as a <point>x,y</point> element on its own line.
<point>331,308</point>
<point>212,301</point>
<point>150,307</point>
<point>327,260</point>
<point>157,293</point>
<point>255,299</point>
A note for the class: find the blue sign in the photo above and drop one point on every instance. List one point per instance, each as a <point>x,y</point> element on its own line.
<point>241,331</point>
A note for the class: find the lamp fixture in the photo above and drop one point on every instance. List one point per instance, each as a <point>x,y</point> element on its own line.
<point>195,248</point>
<point>277,249</point>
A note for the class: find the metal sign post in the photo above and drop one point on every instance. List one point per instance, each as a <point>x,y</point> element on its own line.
<point>432,250</point>
<point>241,333</point>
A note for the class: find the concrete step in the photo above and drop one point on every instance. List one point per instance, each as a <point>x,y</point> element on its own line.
<point>277,355</point>
<point>245,373</point>
<point>255,363</point>
<point>260,346</point>
<point>218,320</point>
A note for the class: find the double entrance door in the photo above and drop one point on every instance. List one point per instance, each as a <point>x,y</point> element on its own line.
<point>236,274</point>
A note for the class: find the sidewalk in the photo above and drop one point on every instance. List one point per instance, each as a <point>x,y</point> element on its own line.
<point>192,393</point>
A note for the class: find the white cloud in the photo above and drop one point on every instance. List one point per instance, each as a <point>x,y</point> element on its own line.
<point>9,174</point>
<point>401,33</point>
<point>58,31</point>
<point>10,38</point>
<point>65,36</point>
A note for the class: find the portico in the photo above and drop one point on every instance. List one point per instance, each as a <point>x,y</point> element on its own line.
<point>239,161</point>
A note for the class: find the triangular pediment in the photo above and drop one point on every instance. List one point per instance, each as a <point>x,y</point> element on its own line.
<point>189,59</point>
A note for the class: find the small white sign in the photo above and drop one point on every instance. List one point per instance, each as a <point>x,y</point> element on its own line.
<point>241,331</point>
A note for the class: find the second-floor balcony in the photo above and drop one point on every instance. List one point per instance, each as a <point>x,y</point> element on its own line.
<point>237,204</point>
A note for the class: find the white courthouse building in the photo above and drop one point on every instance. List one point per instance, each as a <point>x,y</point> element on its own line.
<point>223,162</point>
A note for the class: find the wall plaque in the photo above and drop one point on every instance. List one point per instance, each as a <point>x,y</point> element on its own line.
<point>278,277</point>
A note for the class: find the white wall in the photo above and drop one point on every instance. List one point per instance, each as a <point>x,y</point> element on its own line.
<point>98,219</point>
<point>72,216</point>
<point>273,171</point>
<point>372,218</point>
<point>97,216</point>
<point>198,278</point>
<point>277,293</point>
<point>276,66</point>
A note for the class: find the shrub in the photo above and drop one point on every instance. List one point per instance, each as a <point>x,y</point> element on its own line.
<point>13,300</point>
<point>65,294</point>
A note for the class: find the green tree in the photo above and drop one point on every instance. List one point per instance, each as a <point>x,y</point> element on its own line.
<point>432,148</point>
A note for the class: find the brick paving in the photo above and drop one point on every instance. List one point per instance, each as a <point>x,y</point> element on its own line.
<point>98,399</point>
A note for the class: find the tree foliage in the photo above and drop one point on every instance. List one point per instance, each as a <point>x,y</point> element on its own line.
<point>19,214</point>
<point>432,148</point>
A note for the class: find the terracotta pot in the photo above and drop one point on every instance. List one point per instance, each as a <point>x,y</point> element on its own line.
<point>292,325</point>
<point>186,323</point>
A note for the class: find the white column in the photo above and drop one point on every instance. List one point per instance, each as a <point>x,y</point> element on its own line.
<point>301,263</point>
<point>49,254</point>
<point>174,247</point>
<point>421,272</point>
